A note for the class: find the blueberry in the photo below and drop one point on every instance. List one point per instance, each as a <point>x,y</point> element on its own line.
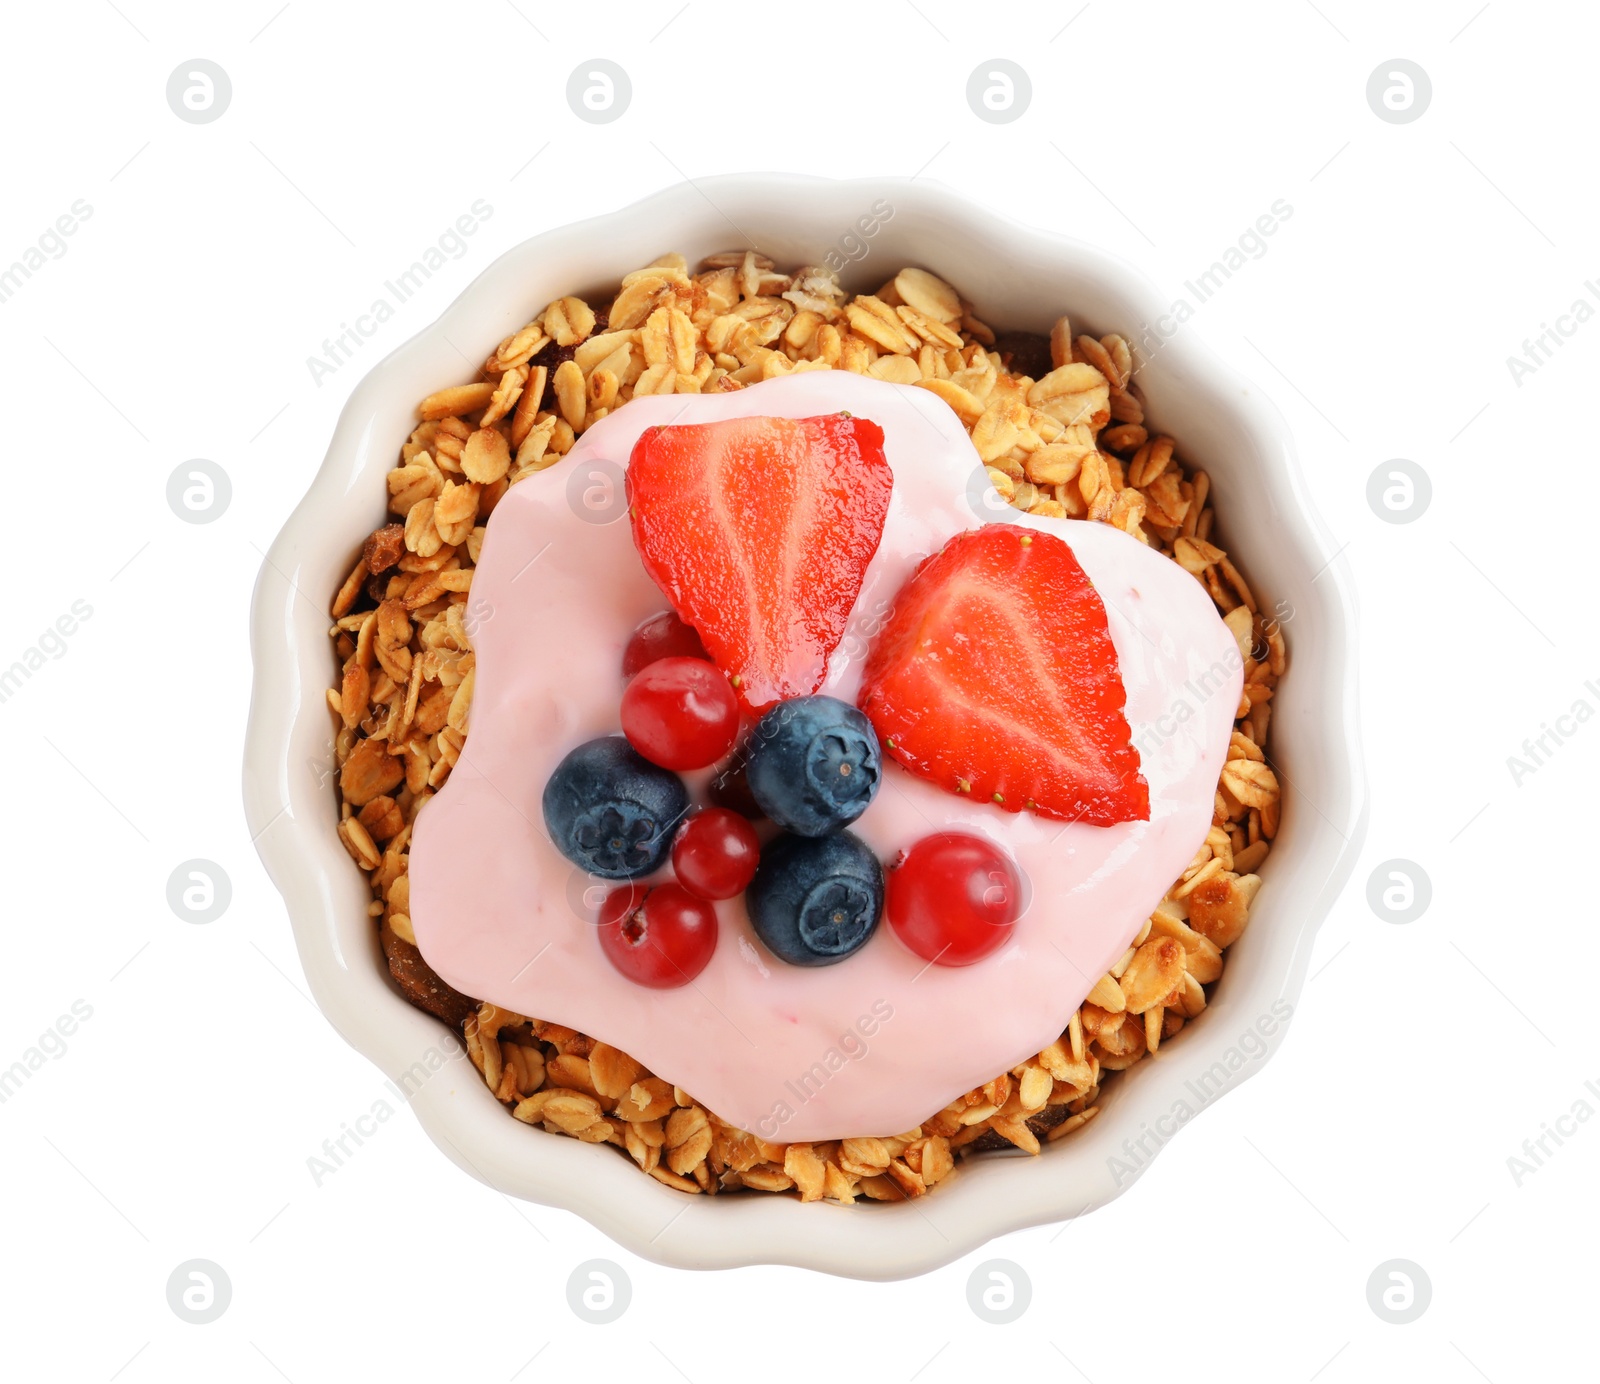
<point>816,899</point>
<point>612,812</point>
<point>814,764</point>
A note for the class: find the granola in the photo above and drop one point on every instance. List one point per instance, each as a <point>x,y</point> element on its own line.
<point>1059,425</point>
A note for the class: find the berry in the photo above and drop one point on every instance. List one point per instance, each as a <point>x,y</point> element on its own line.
<point>680,713</point>
<point>612,812</point>
<point>661,636</point>
<point>816,899</point>
<point>731,787</point>
<point>661,937</point>
<point>814,765</point>
<point>995,677</point>
<point>759,532</point>
<point>954,898</point>
<point>716,853</point>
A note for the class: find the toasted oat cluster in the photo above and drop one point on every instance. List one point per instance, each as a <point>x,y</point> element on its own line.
<point>1059,424</point>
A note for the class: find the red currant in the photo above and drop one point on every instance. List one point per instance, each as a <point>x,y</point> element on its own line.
<point>661,937</point>
<point>680,713</point>
<point>661,636</point>
<point>954,898</point>
<point>716,854</point>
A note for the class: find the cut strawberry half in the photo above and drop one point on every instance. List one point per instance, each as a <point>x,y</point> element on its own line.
<point>759,532</point>
<point>996,678</point>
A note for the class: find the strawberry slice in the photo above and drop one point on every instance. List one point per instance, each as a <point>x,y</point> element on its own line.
<point>995,677</point>
<point>759,532</point>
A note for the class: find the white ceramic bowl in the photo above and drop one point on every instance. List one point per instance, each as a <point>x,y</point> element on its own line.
<point>1018,278</point>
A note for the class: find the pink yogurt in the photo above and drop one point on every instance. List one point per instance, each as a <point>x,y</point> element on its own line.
<point>882,1040</point>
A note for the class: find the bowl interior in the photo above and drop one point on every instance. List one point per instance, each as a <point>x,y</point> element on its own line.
<point>1017,279</point>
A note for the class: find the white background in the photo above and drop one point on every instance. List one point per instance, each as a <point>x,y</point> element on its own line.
<point>179,1121</point>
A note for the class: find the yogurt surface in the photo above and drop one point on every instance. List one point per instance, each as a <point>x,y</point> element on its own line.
<point>882,1040</point>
